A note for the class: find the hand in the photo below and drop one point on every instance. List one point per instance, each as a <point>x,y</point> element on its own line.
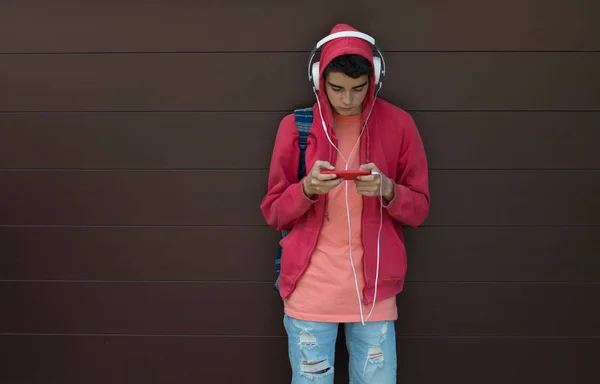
<point>372,185</point>
<point>316,183</point>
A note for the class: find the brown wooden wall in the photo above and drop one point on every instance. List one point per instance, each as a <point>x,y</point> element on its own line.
<point>134,144</point>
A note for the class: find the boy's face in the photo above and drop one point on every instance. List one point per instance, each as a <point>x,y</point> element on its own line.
<point>346,94</point>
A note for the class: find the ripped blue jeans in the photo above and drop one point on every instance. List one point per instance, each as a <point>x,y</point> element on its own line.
<point>371,348</point>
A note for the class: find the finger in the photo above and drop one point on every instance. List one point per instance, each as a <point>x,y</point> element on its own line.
<point>368,190</point>
<point>331,183</point>
<point>324,177</point>
<point>315,173</point>
<point>368,166</point>
<point>324,188</point>
<point>367,184</point>
<point>322,164</point>
<point>325,183</point>
<point>367,178</point>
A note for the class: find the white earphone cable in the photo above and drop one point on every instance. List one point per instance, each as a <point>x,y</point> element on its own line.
<point>378,238</point>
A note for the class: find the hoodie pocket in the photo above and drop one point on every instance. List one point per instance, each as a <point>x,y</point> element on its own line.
<point>290,251</point>
<point>393,255</point>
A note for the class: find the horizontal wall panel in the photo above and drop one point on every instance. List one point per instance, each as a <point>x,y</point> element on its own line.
<point>498,361</point>
<point>67,26</point>
<point>174,82</point>
<point>132,198</point>
<point>453,140</point>
<point>503,254</point>
<point>536,198</point>
<point>138,140</point>
<point>154,360</point>
<point>138,253</point>
<point>510,140</point>
<point>531,198</point>
<point>441,309</point>
<point>207,253</point>
<point>140,308</point>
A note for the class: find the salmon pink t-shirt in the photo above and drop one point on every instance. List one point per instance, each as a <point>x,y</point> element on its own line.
<point>326,292</point>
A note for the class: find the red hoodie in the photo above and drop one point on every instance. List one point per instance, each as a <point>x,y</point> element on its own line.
<point>391,142</point>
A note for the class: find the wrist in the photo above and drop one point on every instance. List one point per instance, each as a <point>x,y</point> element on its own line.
<point>305,190</point>
<point>388,189</point>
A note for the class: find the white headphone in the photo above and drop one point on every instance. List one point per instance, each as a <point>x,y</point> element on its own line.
<point>378,62</point>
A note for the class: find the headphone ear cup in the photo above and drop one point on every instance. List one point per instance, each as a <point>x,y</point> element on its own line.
<point>316,75</point>
<point>377,69</point>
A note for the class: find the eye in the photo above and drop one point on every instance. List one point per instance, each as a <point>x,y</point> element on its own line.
<point>336,89</point>
<point>359,89</point>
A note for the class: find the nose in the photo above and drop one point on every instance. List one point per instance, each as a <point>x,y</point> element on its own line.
<point>347,98</point>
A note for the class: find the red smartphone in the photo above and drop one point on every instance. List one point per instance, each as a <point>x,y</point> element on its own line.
<point>347,175</point>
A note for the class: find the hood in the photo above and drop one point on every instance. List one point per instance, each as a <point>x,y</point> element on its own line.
<point>343,46</point>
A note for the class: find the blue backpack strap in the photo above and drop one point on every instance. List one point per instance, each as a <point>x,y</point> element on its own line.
<point>304,119</point>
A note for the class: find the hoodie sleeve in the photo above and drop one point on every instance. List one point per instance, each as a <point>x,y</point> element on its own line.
<point>285,200</point>
<point>411,201</point>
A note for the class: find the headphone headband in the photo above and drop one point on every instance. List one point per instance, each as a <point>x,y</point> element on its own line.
<point>379,64</point>
<point>338,35</point>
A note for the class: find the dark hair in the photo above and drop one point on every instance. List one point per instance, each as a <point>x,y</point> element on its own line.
<point>350,65</point>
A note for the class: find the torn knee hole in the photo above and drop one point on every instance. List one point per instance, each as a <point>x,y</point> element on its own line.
<point>307,339</point>
<point>376,357</point>
<point>315,367</point>
<point>376,354</point>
